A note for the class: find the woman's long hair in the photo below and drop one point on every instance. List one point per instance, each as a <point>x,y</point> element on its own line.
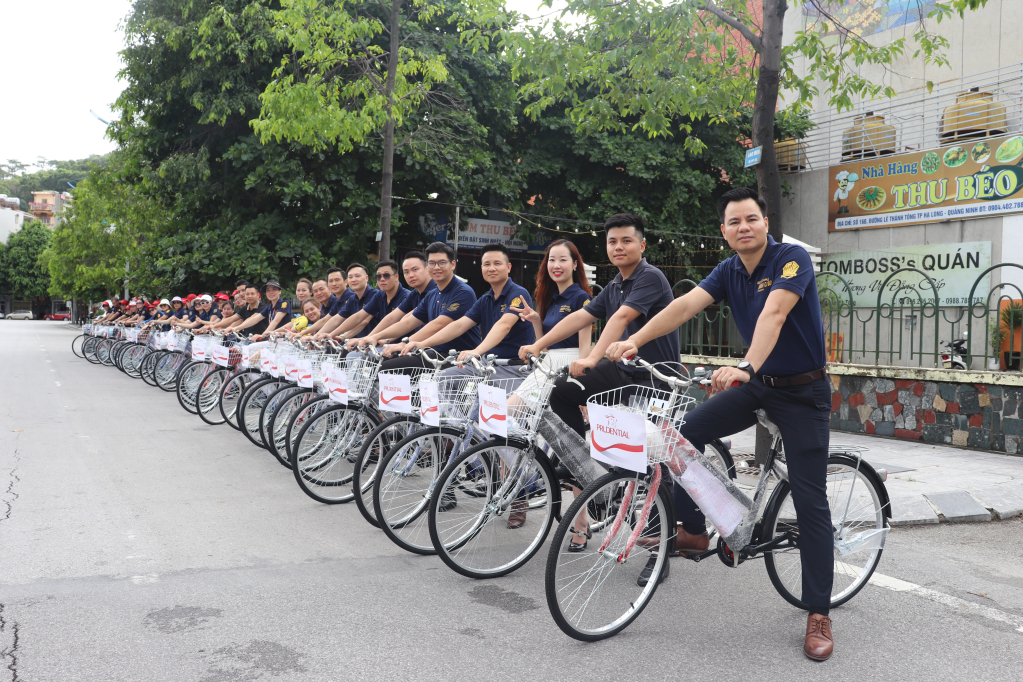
<point>547,288</point>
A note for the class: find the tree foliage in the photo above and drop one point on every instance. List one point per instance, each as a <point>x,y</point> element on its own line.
<point>58,176</point>
<point>20,272</point>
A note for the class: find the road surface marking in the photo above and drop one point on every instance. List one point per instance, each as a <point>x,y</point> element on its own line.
<point>896,585</point>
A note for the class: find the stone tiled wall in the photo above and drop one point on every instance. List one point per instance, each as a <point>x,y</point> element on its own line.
<point>985,416</point>
<point>982,416</point>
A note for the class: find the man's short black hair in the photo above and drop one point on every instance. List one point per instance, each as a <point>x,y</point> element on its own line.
<point>441,247</point>
<point>624,220</point>
<point>740,194</point>
<point>497,246</point>
<point>344,275</point>
<point>387,264</point>
<point>415,254</point>
<point>241,283</point>
<point>358,265</point>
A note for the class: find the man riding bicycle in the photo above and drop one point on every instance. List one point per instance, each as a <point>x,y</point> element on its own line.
<point>772,292</point>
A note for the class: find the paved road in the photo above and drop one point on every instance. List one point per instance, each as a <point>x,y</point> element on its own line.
<point>137,543</point>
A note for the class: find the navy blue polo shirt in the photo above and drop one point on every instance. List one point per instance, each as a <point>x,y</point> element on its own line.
<point>325,308</point>
<point>380,307</point>
<point>271,309</point>
<point>561,306</point>
<point>800,346</point>
<point>355,304</point>
<point>415,298</point>
<point>343,300</point>
<point>488,310</point>
<point>454,302</point>
<point>204,316</point>
<point>179,313</point>
<point>648,292</point>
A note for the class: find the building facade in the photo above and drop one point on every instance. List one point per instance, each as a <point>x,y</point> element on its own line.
<point>48,206</point>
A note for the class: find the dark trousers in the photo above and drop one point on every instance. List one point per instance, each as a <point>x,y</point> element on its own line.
<point>403,362</point>
<point>570,392</point>
<point>802,415</point>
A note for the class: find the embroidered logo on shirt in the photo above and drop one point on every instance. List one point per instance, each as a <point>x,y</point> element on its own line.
<point>453,307</point>
<point>765,283</point>
<point>586,302</point>
<point>516,302</point>
<point>566,308</point>
<point>284,305</point>
<point>790,270</point>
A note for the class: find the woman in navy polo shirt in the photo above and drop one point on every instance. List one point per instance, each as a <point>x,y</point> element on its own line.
<point>561,289</point>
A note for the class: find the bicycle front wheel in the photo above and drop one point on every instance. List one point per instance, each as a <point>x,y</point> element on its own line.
<point>207,398</point>
<point>189,379</point>
<point>377,444</point>
<point>493,508</point>
<point>231,393</point>
<point>325,452</point>
<point>404,481</point>
<point>593,594</point>
<point>859,513</point>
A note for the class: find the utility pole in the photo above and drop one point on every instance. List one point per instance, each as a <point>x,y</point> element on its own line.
<point>457,215</point>
<point>126,279</point>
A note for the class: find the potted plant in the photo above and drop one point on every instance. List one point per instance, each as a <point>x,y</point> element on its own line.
<point>1012,319</point>
<point>997,335</point>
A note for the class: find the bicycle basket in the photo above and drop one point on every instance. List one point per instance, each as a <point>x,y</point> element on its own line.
<point>656,406</point>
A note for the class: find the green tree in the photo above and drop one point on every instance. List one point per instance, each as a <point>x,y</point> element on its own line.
<point>363,69</point>
<point>58,176</point>
<point>619,65</point>
<point>22,272</point>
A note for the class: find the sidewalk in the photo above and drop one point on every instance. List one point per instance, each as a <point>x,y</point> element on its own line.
<point>931,483</point>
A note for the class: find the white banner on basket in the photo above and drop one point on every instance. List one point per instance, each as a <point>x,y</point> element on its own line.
<point>175,343</point>
<point>618,438</point>
<point>220,355</point>
<point>264,361</point>
<point>199,348</point>
<point>493,414</point>
<point>275,370</point>
<point>395,393</point>
<point>429,403</point>
<point>290,369</point>
<point>336,381</point>
<point>304,373</point>
<point>246,357</point>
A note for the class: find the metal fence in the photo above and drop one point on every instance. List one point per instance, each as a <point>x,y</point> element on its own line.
<point>906,326</point>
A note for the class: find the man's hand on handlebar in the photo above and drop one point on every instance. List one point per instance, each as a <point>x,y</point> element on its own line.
<point>619,349</point>
<point>392,349</point>
<point>579,367</point>
<point>464,356</point>
<point>725,377</point>
<point>525,351</point>
<point>412,344</point>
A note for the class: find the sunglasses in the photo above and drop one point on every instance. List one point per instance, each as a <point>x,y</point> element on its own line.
<point>384,275</point>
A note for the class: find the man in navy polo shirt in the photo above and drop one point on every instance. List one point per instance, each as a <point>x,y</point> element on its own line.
<point>390,295</point>
<point>637,293</point>
<point>503,331</point>
<point>449,303</point>
<point>772,292</point>
<point>340,294</point>
<point>356,321</point>
<point>421,285</point>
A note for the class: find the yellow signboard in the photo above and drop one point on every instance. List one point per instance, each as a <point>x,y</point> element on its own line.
<point>973,179</point>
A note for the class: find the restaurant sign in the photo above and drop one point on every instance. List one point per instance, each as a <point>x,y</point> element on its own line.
<point>971,180</point>
<point>952,267</point>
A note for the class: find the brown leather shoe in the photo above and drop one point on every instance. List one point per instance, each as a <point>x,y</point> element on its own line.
<point>818,644</point>
<point>517,517</point>
<point>687,542</point>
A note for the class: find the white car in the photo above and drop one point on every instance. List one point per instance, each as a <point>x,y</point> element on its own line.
<point>20,315</point>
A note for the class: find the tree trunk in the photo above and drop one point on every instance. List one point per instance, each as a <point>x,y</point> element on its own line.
<point>387,181</point>
<point>764,107</point>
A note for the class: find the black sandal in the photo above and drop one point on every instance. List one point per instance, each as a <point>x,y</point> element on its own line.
<point>576,547</point>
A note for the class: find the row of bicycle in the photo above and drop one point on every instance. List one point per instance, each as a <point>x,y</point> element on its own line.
<point>474,468</point>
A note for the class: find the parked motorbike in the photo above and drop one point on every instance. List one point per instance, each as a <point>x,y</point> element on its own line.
<point>952,354</point>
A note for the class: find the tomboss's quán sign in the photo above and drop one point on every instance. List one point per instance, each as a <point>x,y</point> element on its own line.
<point>953,268</point>
<point>970,180</point>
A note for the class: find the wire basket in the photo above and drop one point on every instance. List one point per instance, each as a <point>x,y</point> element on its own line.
<point>143,335</point>
<point>362,370</point>
<point>660,409</point>
<point>459,396</point>
<point>524,407</point>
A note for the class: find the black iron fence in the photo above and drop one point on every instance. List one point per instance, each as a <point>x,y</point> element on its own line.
<point>906,326</point>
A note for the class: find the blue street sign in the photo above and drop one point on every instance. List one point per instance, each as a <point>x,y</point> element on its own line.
<point>753,156</point>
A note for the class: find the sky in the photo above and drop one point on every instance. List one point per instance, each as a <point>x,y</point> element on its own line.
<point>63,57</point>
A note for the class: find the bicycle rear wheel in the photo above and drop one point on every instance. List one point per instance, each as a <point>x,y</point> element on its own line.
<point>591,594</point>
<point>474,537</point>
<point>325,452</point>
<point>859,513</point>
<point>404,481</point>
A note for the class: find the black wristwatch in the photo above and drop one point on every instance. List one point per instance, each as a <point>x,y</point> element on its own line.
<point>749,368</point>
